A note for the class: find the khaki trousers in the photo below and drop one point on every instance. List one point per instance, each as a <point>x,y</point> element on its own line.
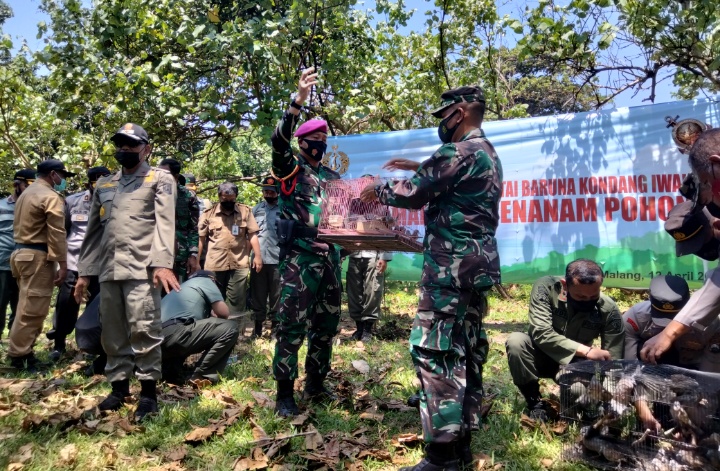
<point>34,274</point>
<point>131,329</point>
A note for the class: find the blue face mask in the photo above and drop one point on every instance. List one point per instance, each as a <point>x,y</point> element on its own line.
<point>59,187</point>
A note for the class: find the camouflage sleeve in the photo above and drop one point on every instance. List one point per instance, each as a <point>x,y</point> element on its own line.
<point>192,241</point>
<point>632,334</point>
<point>283,162</point>
<point>612,337</point>
<point>434,177</point>
<point>558,347</point>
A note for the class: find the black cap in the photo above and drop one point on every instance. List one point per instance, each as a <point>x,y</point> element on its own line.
<point>96,172</point>
<point>26,175</point>
<point>131,131</point>
<point>270,183</point>
<point>690,227</point>
<point>668,294</point>
<point>173,165</point>
<point>189,177</point>
<point>50,165</point>
<point>458,95</point>
<point>181,180</point>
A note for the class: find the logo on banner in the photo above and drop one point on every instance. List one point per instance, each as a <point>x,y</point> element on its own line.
<point>336,160</point>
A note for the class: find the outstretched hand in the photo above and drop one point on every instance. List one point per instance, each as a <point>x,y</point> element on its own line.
<point>401,164</point>
<point>307,79</point>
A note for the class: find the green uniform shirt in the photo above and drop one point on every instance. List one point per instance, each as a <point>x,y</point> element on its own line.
<point>195,300</point>
<point>558,331</point>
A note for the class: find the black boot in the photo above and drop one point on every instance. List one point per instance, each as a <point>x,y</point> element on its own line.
<point>535,404</point>
<point>315,390</point>
<point>257,332</point>
<point>116,399</point>
<point>357,335</point>
<point>438,457</point>
<point>367,331</point>
<point>147,405</point>
<point>414,400</point>
<point>27,363</point>
<point>464,452</point>
<point>285,405</point>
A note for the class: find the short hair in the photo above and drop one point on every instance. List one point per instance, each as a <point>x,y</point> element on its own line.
<point>707,144</point>
<point>173,165</point>
<point>227,188</point>
<point>583,272</point>
<point>475,111</point>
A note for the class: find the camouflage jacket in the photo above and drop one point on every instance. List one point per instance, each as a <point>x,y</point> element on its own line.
<point>461,184</point>
<point>187,214</point>
<point>557,330</point>
<point>302,190</point>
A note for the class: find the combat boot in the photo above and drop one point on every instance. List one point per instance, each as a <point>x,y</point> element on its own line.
<point>257,332</point>
<point>147,406</point>
<point>27,363</point>
<point>285,405</point>
<point>438,457</point>
<point>315,391</point>
<point>414,401</point>
<point>367,333</point>
<point>357,335</point>
<point>116,399</point>
<point>533,399</point>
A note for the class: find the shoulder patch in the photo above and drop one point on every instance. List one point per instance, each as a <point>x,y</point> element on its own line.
<point>615,324</point>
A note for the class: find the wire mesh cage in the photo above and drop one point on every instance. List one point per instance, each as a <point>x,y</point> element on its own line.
<point>627,415</point>
<point>355,225</point>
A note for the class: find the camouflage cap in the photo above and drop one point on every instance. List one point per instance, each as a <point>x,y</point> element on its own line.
<point>458,95</point>
<point>690,227</point>
<point>668,294</point>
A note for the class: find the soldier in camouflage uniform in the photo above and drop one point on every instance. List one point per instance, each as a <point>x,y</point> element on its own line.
<point>461,185</point>
<point>310,271</point>
<point>187,214</point>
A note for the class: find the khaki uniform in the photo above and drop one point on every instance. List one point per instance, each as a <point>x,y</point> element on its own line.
<point>131,230</point>
<point>229,250</point>
<point>39,232</point>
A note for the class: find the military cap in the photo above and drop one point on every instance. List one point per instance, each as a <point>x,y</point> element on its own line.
<point>190,178</point>
<point>311,126</point>
<point>173,165</point>
<point>26,175</point>
<point>96,172</point>
<point>690,227</point>
<point>270,183</point>
<point>668,294</point>
<point>53,165</point>
<point>458,95</point>
<point>131,131</point>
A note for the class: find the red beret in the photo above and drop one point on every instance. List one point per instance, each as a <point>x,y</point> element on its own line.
<point>311,126</point>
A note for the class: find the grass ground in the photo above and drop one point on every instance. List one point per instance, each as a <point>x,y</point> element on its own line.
<point>50,422</point>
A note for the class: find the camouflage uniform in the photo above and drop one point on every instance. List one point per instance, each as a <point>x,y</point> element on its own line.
<point>310,273</point>
<point>461,184</point>
<point>187,214</point>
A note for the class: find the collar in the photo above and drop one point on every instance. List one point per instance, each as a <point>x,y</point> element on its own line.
<point>142,171</point>
<point>218,208</point>
<point>473,134</point>
<point>42,182</point>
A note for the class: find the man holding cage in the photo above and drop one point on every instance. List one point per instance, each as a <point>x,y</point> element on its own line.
<point>460,187</point>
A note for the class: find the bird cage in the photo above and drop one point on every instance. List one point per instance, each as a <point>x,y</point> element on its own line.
<point>604,401</point>
<point>355,225</point>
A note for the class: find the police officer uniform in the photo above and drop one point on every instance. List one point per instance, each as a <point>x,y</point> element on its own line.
<point>8,284</point>
<point>77,209</point>
<point>39,229</point>
<point>698,350</point>
<point>130,232</point>
<point>265,285</point>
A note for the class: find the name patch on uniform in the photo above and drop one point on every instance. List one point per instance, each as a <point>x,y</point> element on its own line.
<point>81,217</point>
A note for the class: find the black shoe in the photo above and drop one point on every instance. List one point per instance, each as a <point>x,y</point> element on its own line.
<point>538,412</point>
<point>366,336</point>
<point>359,326</point>
<point>426,465</point>
<point>114,401</point>
<point>414,401</point>
<point>27,363</point>
<point>257,332</point>
<point>146,407</point>
<point>56,355</point>
<point>464,453</point>
<point>286,407</point>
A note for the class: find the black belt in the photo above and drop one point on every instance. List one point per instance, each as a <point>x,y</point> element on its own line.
<point>177,320</point>
<point>42,247</point>
<point>305,232</point>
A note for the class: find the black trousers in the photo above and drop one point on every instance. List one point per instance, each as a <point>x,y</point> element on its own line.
<point>213,337</point>
<point>66,309</point>
<point>9,292</point>
<point>265,292</point>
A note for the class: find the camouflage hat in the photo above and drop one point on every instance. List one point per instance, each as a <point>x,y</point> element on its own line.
<point>270,183</point>
<point>668,294</point>
<point>690,227</point>
<point>458,95</point>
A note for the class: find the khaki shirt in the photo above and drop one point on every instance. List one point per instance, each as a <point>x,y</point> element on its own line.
<point>40,219</point>
<point>131,226</point>
<point>225,250</point>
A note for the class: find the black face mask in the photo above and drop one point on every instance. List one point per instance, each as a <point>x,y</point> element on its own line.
<point>127,159</point>
<point>227,205</point>
<point>444,132</point>
<point>271,200</point>
<point>581,306</point>
<point>315,149</point>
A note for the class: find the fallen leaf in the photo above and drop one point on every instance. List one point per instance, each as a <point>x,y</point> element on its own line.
<point>406,439</point>
<point>176,454</point>
<point>15,466</point>
<point>547,462</point>
<point>313,441</point>
<point>24,454</point>
<point>362,366</point>
<point>559,428</point>
<point>200,383</point>
<point>480,460</point>
<point>257,460</point>
<point>262,399</point>
<point>68,455</point>
<point>199,435</point>
<point>376,416</point>
<point>299,420</point>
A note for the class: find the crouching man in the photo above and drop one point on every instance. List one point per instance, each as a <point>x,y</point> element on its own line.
<point>195,320</point>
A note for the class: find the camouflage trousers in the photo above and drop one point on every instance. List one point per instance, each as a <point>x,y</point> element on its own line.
<point>448,347</point>
<point>309,305</point>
